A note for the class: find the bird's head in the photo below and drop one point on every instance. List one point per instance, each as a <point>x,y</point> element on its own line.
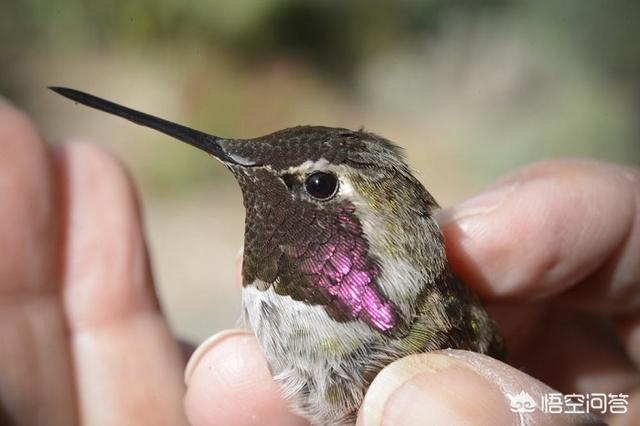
<point>329,212</point>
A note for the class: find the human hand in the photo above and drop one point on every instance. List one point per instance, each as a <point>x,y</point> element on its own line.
<point>555,250</point>
<point>82,339</point>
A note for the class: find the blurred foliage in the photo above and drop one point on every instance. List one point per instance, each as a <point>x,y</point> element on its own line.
<point>364,50</point>
<point>335,35</point>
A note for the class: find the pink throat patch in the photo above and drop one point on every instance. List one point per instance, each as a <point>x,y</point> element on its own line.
<point>341,267</point>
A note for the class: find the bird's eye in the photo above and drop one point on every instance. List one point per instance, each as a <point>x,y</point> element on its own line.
<point>321,185</point>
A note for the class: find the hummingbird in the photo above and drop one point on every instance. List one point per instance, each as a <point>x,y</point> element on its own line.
<point>344,266</point>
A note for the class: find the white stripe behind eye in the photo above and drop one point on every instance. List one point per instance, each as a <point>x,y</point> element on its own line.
<point>345,189</point>
<point>308,166</point>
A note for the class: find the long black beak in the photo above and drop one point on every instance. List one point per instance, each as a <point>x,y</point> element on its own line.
<point>204,141</point>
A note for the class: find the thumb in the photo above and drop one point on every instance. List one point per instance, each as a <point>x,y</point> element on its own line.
<point>456,387</point>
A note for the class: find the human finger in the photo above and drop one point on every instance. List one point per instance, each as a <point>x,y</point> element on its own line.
<point>229,383</point>
<point>549,227</point>
<point>458,387</point>
<point>36,384</point>
<point>128,365</point>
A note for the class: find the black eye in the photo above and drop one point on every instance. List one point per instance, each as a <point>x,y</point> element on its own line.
<point>321,185</point>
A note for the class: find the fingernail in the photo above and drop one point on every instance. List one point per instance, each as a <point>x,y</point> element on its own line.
<point>205,347</point>
<point>432,389</point>
<point>481,204</point>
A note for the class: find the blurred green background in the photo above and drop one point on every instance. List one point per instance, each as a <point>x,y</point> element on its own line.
<point>472,90</point>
